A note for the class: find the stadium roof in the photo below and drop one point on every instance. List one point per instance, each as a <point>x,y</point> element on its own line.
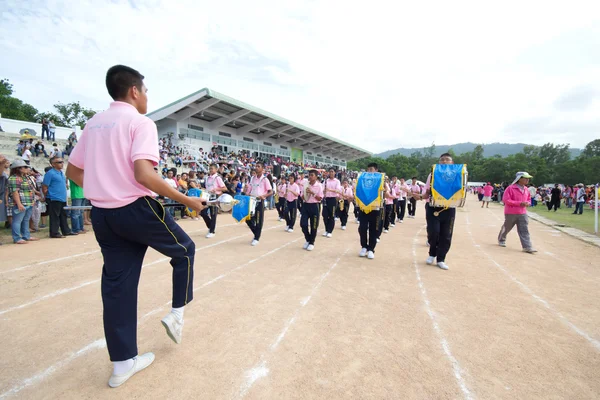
<point>220,110</point>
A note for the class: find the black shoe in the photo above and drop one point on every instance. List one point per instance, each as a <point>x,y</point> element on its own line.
<point>72,234</point>
<point>57,237</point>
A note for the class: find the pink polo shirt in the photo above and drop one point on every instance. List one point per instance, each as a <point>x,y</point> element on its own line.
<point>215,183</point>
<point>392,192</point>
<point>281,189</point>
<point>487,190</point>
<point>259,186</point>
<point>331,187</point>
<point>111,141</point>
<point>317,190</point>
<point>348,193</point>
<point>292,188</point>
<point>401,190</point>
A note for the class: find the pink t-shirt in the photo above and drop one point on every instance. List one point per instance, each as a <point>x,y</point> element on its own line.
<point>259,186</point>
<point>111,141</point>
<point>332,186</point>
<point>348,193</point>
<point>392,192</point>
<point>281,189</point>
<point>487,190</point>
<point>317,190</point>
<point>215,183</point>
<point>292,188</point>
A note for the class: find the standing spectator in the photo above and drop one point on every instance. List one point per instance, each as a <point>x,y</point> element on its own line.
<point>21,192</point>
<point>3,188</point>
<point>77,200</point>
<point>568,197</point>
<point>52,131</point>
<point>580,198</point>
<point>55,189</point>
<point>555,198</point>
<point>34,222</point>
<point>45,128</point>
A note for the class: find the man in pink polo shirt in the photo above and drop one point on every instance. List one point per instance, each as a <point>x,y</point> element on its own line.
<point>281,200</point>
<point>300,182</point>
<point>487,195</point>
<point>291,196</point>
<point>333,188</point>
<point>390,196</point>
<point>215,187</point>
<point>259,187</point>
<point>309,222</point>
<point>114,161</point>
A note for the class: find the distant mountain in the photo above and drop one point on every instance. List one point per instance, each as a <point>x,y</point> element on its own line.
<point>489,150</point>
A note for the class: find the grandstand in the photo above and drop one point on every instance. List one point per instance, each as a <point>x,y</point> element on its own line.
<point>206,119</point>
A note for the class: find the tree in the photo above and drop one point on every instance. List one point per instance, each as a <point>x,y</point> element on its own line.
<point>72,114</point>
<point>13,108</point>
<point>592,149</point>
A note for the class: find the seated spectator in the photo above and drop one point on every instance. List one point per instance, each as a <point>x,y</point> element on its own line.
<point>39,149</point>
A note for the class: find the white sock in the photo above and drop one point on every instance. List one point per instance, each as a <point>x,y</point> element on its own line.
<point>178,312</point>
<point>121,367</point>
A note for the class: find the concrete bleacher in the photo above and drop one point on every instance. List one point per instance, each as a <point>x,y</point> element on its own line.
<point>8,148</point>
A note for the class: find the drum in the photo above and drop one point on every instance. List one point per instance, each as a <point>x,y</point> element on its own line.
<point>244,208</point>
<point>448,185</point>
<point>369,191</point>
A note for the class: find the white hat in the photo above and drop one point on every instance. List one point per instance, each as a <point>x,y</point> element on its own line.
<point>18,163</point>
<point>521,174</point>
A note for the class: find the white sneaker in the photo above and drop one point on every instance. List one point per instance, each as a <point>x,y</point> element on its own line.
<point>343,228</point>
<point>173,326</point>
<point>254,242</point>
<point>209,235</point>
<point>357,221</point>
<point>363,252</point>
<point>401,221</point>
<point>310,247</point>
<point>329,235</point>
<point>385,231</point>
<point>370,255</point>
<point>325,234</point>
<point>393,225</point>
<point>530,251</point>
<point>305,245</point>
<point>139,363</point>
<point>377,240</point>
<point>502,244</point>
<point>290,230</point>
<point>427,243</point>
<point>430,260</point>
<point>287,228</point>
<point>442,265</point>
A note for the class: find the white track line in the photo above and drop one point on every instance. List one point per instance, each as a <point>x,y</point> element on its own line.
<point>101,343</point>
<point>457,369</point>
<point>67,290</point>
<point>77,255</point>
<point>537,298</point>
<point>260,369</point>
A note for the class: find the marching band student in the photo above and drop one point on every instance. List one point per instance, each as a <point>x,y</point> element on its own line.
<point>383,213</point>
<point>347,196</point>
<point>261,188</point>
<point>367,227</point>
<point>214,186</point>
<point>401,192</point>
<point>291,197</point>
<point>394,187</point>
<point>310,210</point>
<point>412,201</point>
<point>281,202</point>
<point>440,227</point>
<point>300,182</point>
<point>390,197</point>
<point>332,192</point>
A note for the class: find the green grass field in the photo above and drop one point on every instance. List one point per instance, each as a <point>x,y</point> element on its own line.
<point>565,216</point>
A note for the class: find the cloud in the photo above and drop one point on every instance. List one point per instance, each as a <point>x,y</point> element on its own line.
<point>383,75</point>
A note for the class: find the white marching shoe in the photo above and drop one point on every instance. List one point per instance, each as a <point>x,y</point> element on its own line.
<point>209,235</point>
<point>363,252</point>
<point>310,247</point>
<point>370,255</point>
<point>430,260</point>
<point>139,364</point>
<point>325,234</point>
<point>306,244</point>
<point>329,235</point>
<point>442,265</point>
<point>174,327</point>
<point>254,242</point>
<point>290,230</point>
<point>343,228</point>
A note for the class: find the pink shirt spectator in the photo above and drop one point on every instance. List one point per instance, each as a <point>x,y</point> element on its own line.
<point>258,186</point>
<point>119,136</point>
<point>487,190</point>
<point>214,183</point>
<point>332,187</point>
<point>292,188</point>
<point>514,195</point>
<point>317,190</point>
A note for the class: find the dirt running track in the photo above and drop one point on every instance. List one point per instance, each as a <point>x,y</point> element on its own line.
<point>277,322</point>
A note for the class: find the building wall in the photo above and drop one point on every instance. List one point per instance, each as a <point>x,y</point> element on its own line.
<point>14,126</point>
<point>196,133</point>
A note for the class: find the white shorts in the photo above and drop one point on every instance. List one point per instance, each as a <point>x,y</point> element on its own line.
<point>486,198</point>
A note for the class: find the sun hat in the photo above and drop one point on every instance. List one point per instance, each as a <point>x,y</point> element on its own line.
<point>18,163</point>
<point>521,174</point>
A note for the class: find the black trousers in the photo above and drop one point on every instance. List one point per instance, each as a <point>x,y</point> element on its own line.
<point>329,213</point>
<point>412,206</point>
<point>256,222</point>
<point>401,209</point>
<point>58,218</point>
<point>280,206</point>
<point>290,213</point>
<point>209,215</point>
<point>300,203</point>
<point>380,221</point>
<point>554,203</point>
<point>439,231</point>
<point>367,229</point>
<point>309,221</point>
<point>389,216</point>
<point>124,234</point>
<point>392,212</point>
<point>344,213</point>
<point>45,129</point>
<point>355,209</point>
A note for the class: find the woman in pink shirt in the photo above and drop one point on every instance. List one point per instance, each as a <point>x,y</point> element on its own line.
<point>516,200</point>
<point>281,202</point>
<point>390,196</point>
<point>347,196</point>
<point>487,195</point>
<point>291,197</point>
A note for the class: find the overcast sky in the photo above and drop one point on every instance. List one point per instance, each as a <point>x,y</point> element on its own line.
<point>379,74</point>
